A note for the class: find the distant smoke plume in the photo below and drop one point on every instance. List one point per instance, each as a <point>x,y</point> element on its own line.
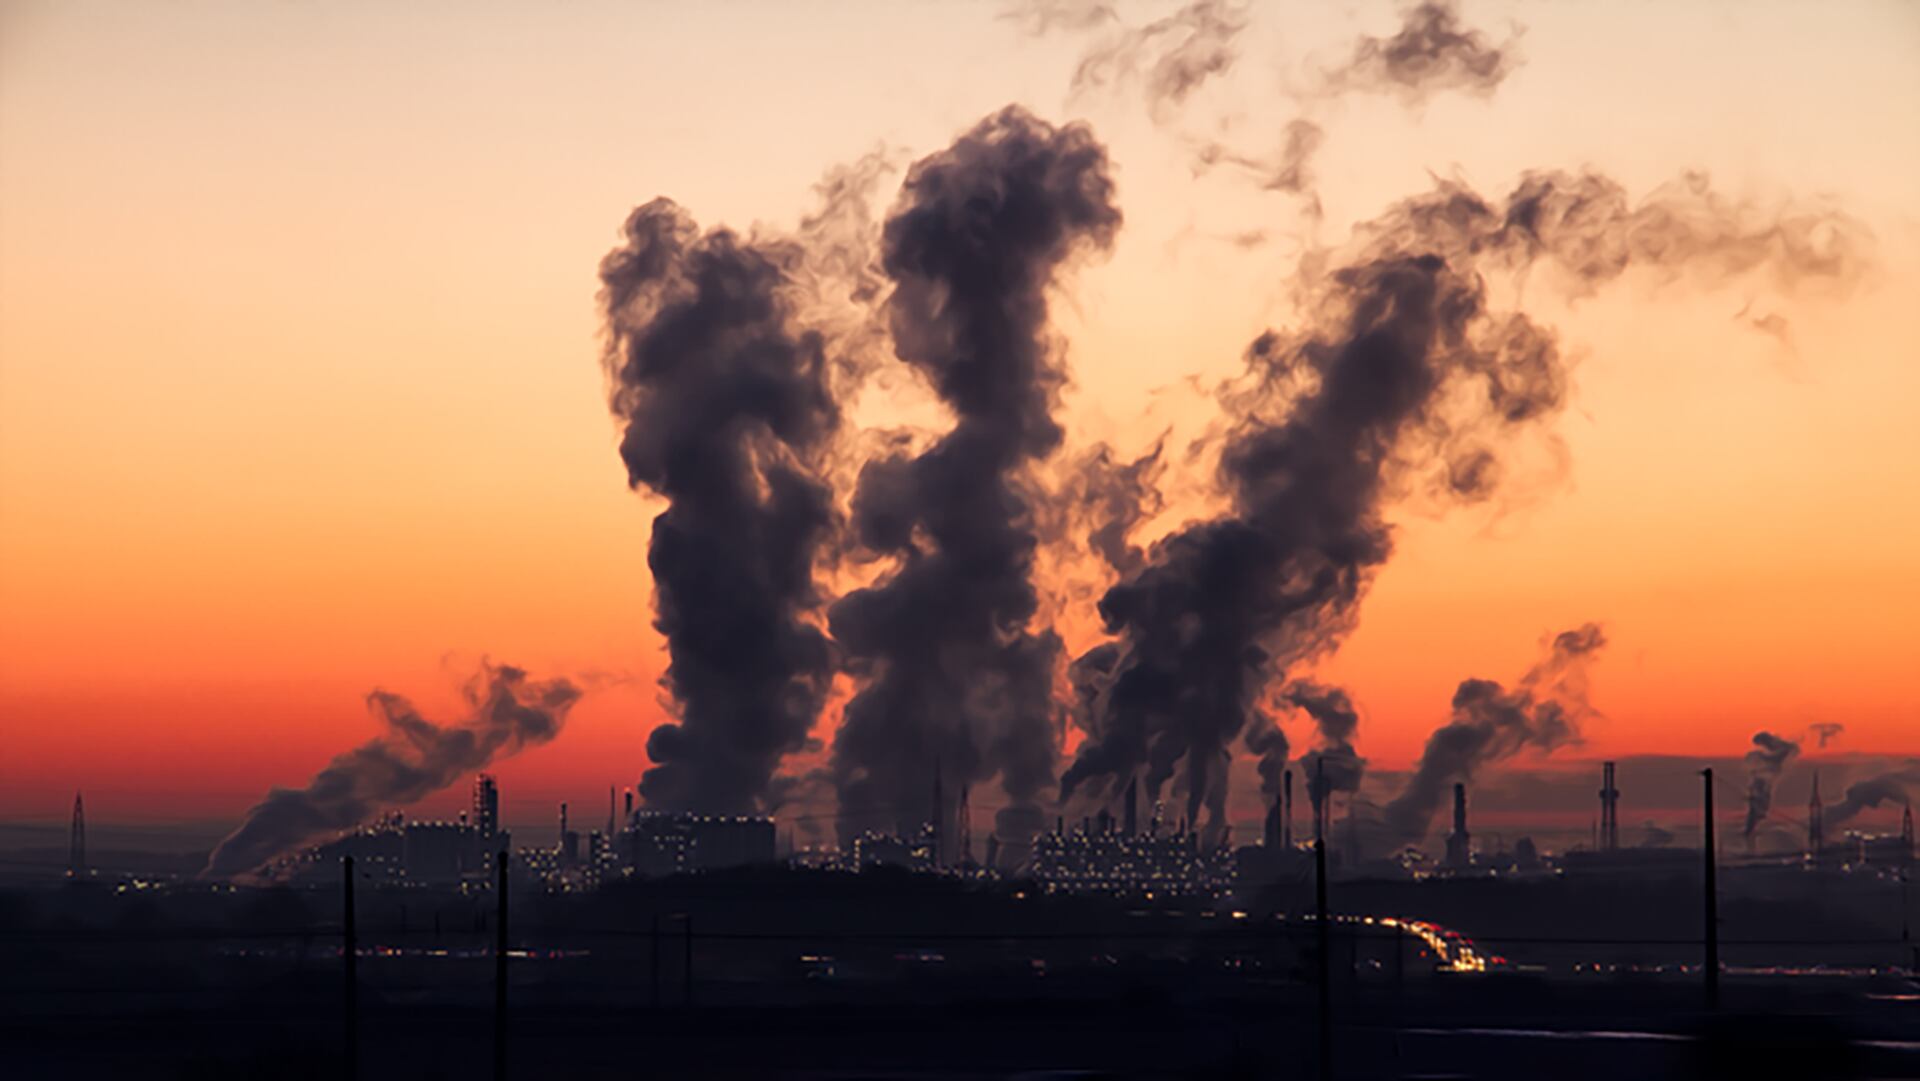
<point>1894,786</point>
<point>1826,731</point>
<point>413,759</point>
<point>1490,723</point>
<point>1431,52</point>
<point>950,672</point>
<point>1041,17</point>
<point>1290,170</point>
<point>1333,766</point>
<point>726,408</point>
<point>1170,57</point>
<point>1769,756</point>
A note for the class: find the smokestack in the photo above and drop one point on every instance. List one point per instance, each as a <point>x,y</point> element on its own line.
<point>1459,842</point>
<point>1906,832</point>
<point>563,823</point>
<point>1286,811</point>
<point>629,804</point>
<point>1133,806</point>
<point>1609,839</point>
<point>77,842</point>
<point>1813,818</point>
<point>1272,836</point>
<point>609,833</point>
<point>934,820</point>
<point>966,829</point>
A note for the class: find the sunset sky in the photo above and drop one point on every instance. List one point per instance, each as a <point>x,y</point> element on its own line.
<point>300,384</point>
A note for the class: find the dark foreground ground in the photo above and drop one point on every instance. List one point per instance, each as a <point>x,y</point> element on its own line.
<point>1500,1028</point>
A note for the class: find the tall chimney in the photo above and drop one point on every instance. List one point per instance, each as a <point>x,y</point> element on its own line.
<point>1813,818</point>
<point>1609,839</point>
<point>934,820</point>
<point>77,842</point>
<point>1459,842</point>
<point>1286,809</point>
<point>563,823</point>
<point>1132,821</point>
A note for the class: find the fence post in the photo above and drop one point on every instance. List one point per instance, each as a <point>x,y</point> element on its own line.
<point>1326,958</point>
<point>1711,901</point>
<point>500,968</point>
<point>350,960</point>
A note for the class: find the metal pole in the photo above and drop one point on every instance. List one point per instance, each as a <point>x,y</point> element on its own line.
<point>1326,958</point>
<point>1712,896</point>
<point>687,977</point>
<point>500,968</point>
<point>350,958</point>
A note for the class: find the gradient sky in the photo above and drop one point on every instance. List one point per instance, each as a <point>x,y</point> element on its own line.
<point>300,394</point>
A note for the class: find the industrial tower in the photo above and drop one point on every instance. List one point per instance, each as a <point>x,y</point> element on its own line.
<point>1813,818</point>
<point>1459,842</point>
<point>77,847</point>
<point>1609,810</point>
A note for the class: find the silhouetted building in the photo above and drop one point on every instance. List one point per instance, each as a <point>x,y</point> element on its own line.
<point>486,805</point>
<point>1105,862</point>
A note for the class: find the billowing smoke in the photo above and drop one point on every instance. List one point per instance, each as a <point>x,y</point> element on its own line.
<point>1826,732</point>
<point>411,760</point>
<point>1332,766</point>
<point>1431,52</point>
<point>1768,758</point>
<point>1490,723</point>
<point>726,408</point>
<point>1894,786</point>
<point>1113,497</point>
<point>1171,57</point>
<point>951,675</point>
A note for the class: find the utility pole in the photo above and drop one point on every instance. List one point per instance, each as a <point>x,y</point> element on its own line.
<point>1712,895</point>
<point>500,968</point>
<point>1326,958</point>
<point>350,958</point>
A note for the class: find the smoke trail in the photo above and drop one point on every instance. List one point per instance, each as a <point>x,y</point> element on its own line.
<point>1430,53</point>
<point>1333,766</point>
<point>725,408</point>
<point>950,672</point>
<point>1894,786</point>
<point>1826,731</point>
<point>1171,57</point>
<point>1490,723</point>
<point>1112,498</point>
<point>413,759</point>
<point>1769,756</point>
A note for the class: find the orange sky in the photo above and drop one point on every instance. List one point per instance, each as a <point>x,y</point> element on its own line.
<point>299,391</point>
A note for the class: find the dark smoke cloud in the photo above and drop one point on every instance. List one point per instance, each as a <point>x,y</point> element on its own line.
<point>1826,731</point>
<point>413,759</point>
<point>1769,756</point>
<point>950,672</point>
<point>726,408</point>
<point>1170,58</point>
<point>1431,52</point>
<point>1894,786</point>
<point>1491,723</point>
<point>1334,765</point>
<point>1406,379</point>
<point>1111,497</point>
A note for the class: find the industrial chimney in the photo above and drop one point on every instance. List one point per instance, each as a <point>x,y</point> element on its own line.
<point>1609,810</point>
<point>1459,842</point>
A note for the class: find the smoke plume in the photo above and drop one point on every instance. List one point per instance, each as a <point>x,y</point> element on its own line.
<point>1894,786</point>
<point>1333,766</point>
<point>726,408</point>
<point>1170,57</point>
<point>1432,52</point>
<point>1491,723</point>
<point>1826,732</point>
<point>1768,758</point>
<point>952,677</point>
<point>413,759</point>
